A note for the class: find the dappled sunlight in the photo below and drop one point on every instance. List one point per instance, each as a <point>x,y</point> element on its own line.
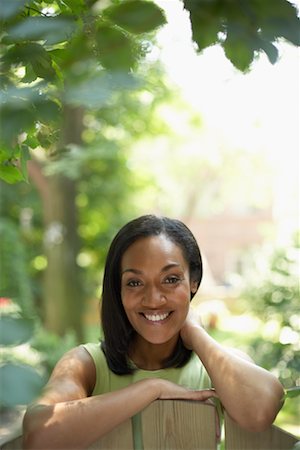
<point>105,120</point>
<point>24,354</point>
<point>212,312</point>
<point>243,324</point>
<point>289,336</point>
<point>237,115</point>
<point>271,330</point>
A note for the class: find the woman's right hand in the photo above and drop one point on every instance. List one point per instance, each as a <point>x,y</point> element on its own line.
<point>172,391</point>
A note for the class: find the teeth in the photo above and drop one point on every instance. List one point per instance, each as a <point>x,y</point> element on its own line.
<point>156,317</point>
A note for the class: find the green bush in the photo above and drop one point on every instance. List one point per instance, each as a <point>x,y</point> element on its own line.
<point>272,293</point>
<point>52,347</point>
<point>28,354</point>
<point>21,372</point>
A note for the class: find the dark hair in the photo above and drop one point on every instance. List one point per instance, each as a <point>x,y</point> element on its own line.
<point>118,332</point>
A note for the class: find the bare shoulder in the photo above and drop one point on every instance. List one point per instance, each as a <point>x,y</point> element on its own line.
<point>72,378</point>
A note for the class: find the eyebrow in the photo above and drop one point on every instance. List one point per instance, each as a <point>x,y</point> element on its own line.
<point>164,269</point>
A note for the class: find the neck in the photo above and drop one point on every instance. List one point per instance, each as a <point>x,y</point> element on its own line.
<point>148,356</point>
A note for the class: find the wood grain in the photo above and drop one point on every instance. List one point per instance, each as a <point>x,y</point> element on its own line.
<point>118,439</point>
<point>273,438</point>
<point>180,425</point>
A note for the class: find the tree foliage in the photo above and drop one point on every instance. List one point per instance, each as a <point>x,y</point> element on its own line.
<point>104,187</point>
<point>63,53</point>
<point>243,28</point>
<point>20,382</point>
<point>272,293</point>
<point>78,53</point>
<point>72,85</point>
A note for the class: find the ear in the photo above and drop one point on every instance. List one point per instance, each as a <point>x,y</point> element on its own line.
<point>194,286</point>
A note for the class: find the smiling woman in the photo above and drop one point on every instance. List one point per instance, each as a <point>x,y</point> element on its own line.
<point>157,295</point>
<point>159,259</point>
<point>152,349</point>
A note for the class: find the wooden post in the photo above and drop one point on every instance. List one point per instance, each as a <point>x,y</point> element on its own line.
<point>273,438</point>
<point>180,425</point>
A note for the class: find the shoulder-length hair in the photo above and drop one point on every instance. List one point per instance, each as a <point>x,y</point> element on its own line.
<point>117,330</point>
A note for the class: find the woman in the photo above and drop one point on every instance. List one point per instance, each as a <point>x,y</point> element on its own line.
<point>152,348</point>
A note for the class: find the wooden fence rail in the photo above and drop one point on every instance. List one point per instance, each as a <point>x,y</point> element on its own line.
<point>183,425</point>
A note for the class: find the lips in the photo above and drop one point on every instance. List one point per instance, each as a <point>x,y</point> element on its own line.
<point>156,317</point>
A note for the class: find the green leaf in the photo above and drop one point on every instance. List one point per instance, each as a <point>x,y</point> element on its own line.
<point>15,119</point>
<point>270,50</point>
<point>4,154</point>
<point>20,384</point>
<point>33,54</point>
<point>24,157</point>
<point>280,21</point>
<point>10,173</point>
<point>75,54</point>
<point>10,8</point>
<point>250,26</point>
<point>136,16</point>
<point>76,6</point>
<point>52,30</point>
<point>30,76</point>
<point>31,141</point>
<point>15,331</point>
<point>93,92</point>
<point>97,92</point>
<point>292,392</point>
<point>290,30</point>
<point>116,49</point>
<point>45,139</point>
<point>239,47</point>
<point>47,111</point>
<point>206,23</point>
<point>42,66</point>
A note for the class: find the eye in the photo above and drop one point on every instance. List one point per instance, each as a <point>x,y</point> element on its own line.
<point>133,283</point>
<point>173,279</point>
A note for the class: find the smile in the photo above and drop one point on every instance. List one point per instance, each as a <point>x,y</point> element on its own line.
<point>156,317</point>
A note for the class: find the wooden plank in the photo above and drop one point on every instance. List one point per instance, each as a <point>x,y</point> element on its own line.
<point>274,438</point>
<point>179,425</point>
<point>120,438</point>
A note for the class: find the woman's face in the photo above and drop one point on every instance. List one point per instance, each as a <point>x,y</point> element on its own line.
<point>156,288</point>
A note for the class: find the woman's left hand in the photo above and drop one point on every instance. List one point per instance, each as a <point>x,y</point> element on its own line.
<point>251,395</point>
<point>189,329</point>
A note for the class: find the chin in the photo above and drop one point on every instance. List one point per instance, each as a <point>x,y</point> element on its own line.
<point>159,340</point>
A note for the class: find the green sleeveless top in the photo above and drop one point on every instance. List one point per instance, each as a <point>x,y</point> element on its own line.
<point>192,375</point>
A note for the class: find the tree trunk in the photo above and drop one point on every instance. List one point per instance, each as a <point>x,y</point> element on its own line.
<point>63,293</point>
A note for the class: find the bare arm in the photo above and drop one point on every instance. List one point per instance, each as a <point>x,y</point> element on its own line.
<point>66,417</point>
<point>251,395</point>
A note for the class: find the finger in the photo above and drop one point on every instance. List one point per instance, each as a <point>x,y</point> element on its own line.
<point>207,393</point>
<point>202,396</point>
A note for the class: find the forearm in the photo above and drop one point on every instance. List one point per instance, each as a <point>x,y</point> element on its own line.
<point>79,423</point>
<point>251,395</point>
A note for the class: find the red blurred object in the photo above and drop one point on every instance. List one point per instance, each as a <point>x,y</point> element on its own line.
<point>4,301</point>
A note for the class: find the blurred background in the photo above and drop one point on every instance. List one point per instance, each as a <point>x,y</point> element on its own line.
<point>178,108</point>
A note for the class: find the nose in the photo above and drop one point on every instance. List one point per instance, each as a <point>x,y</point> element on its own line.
<point>153,297</point>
